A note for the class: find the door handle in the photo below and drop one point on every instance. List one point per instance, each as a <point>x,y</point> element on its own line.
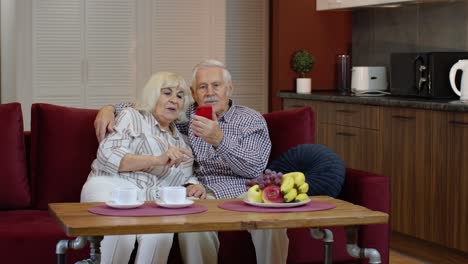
<point>403,117</point>
<point>346,134</point>
<point>346,111</point>
<point>458,123</point>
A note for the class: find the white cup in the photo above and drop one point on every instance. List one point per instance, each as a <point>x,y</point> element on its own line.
<point>172,194</point>
<point>125,195</point>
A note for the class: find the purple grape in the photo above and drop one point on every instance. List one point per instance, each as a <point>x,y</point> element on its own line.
<point>278,181</point>
<point>267,171</point>
<point>262,186</point>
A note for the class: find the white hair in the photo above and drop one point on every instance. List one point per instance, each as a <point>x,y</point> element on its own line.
<point>152,90</point>
<point>210,63</point>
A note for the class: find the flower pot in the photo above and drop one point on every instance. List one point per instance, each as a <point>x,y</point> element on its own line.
<point>303,85</point>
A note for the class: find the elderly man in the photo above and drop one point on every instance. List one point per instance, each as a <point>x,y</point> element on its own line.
<point>229,148</point>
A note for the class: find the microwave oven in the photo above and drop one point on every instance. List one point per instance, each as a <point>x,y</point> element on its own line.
<point>423,74</point>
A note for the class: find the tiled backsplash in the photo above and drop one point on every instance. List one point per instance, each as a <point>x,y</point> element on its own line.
<point>378,32</point>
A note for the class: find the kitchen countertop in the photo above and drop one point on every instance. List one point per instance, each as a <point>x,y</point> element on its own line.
<point>388,100</point>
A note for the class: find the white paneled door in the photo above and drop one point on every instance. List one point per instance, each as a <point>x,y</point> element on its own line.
<point>89,53</point>
<point>84,52</point>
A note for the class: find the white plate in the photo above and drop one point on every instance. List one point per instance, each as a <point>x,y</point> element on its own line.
<point>124,206</point>
<point>187,202</point>
<point>278,205</point>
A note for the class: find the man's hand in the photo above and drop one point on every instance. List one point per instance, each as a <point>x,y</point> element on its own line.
<point>207,129</point>
<point>104,121</point>
<point>197,191</point>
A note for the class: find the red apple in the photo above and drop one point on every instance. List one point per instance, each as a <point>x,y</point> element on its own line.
<point>272,194</point>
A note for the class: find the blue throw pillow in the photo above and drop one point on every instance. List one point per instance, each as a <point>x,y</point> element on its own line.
<point>324,169</point>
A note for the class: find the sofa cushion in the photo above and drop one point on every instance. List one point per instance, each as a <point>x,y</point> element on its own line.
<point>30,236</point>
<point>324,169</point>
<point>14,184</point>
<point>290,128</point>
<point>63,146</point>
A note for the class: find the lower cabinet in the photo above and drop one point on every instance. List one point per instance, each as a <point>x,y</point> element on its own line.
<point>407,157</point>
<point>424,152</point>
<point>359,147</point>
<point>456,177</point>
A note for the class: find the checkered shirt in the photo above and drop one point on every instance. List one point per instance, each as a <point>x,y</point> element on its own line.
<point>243,152</point>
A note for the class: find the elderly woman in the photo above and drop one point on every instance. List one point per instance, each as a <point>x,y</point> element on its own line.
<point>145,151</point>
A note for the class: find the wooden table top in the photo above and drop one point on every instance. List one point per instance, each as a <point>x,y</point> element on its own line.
<point>77,221</point>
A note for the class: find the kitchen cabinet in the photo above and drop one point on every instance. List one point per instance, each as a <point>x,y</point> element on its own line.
<point>456,178</point>
<point>407,144</point>
<point>352,131</point>
<point>347,4</point>
<point>423,151</point>
<point>343,4</point>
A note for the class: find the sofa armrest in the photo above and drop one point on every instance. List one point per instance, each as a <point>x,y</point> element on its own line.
<point>372,191</point>
<point>367,189</point>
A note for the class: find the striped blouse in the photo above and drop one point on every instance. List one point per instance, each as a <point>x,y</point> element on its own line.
<point>139,133</point>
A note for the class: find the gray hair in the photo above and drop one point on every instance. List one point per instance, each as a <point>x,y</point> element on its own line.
<point>152,91</point>
<point>209,64</point>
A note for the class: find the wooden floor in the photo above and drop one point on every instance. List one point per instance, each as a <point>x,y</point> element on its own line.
<point>397,257</point>
<point>405,249</point>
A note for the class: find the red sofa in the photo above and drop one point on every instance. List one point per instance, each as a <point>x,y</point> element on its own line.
<point>51,163</point>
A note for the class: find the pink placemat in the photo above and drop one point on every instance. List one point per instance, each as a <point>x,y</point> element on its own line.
<point>243,207</point>
<point>147,209</point>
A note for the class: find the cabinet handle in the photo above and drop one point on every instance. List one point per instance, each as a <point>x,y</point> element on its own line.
<point>346,111</point>
<point>458,123</point>
<point>403,117</point>
<point>345,134</point>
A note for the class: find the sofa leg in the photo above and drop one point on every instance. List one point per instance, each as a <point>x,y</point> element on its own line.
<point>327,236</point>
<point>353,250</point>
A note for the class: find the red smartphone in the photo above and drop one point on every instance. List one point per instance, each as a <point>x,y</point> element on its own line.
<point>204,110</point>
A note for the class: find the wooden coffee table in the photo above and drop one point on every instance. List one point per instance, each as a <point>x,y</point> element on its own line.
<point>77,221</point>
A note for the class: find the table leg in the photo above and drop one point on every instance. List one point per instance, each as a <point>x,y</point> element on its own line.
<point>353,250</point>
<point>95,254</point>
<point>327,236</point>
<point>64,245</point>
<point>79,243</point>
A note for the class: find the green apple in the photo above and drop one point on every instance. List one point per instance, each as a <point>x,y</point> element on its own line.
<point>254,194</point>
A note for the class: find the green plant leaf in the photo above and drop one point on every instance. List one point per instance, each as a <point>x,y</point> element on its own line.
<point>302,62</point>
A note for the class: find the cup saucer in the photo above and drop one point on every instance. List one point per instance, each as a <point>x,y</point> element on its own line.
<point>113,204</point>
<point>187,203</point>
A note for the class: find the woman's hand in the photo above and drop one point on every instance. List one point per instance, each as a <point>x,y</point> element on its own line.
<point>174,156</point>
<point>197,191</point>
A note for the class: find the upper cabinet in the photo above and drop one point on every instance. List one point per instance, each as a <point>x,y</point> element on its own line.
<point>345,4</point>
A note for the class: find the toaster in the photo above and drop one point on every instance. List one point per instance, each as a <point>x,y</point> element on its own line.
<point>368,79</point>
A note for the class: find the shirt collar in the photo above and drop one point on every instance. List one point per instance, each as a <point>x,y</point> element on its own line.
<point>172,127</point>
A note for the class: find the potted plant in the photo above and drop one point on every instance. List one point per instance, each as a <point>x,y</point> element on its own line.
<point>302,62</point>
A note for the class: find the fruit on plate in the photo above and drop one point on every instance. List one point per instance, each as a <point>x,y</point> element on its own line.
<point>290,196</point>
<point>254,194</point>
<point>276,187</point>
<point>304,188</point>
<point>299,177</point>
<point>287,185</point>
<point>301,197</point>
<point>272,194</point>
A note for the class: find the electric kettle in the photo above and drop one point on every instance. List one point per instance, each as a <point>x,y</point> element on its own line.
<point>461,91</point>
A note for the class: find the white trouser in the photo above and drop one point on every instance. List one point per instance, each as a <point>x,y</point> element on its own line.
<point>271,245</point>
<point>152,248</point>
